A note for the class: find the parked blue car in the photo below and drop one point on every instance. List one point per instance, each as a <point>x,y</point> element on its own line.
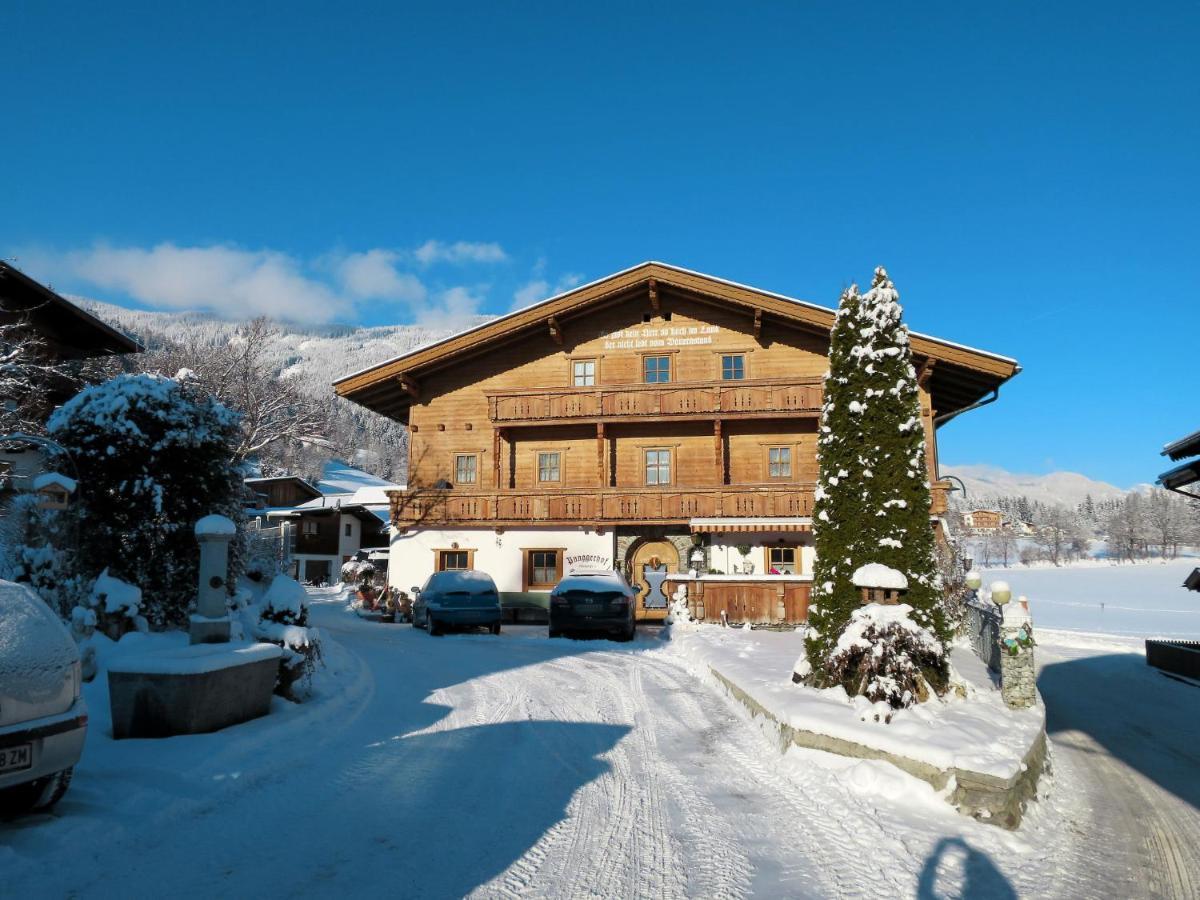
<point>457,599</point>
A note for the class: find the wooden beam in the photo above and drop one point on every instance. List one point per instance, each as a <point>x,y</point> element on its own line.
<point>719,451</point>
<point>654,301</point>
<point>409,385</point>
<point>925,372</point>
<point>556,334</point>
<point>601,473</point>
<point>758,313</point>
<point>496,457</point>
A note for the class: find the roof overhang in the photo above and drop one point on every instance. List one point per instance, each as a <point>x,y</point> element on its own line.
<point>73,331</point>
<point>1184,447</point>
<point>728,525</point>
<point>1181,476</point>
<point>961,376</point>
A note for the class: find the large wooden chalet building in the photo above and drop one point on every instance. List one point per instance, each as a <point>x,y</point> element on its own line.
<point>655,420</point>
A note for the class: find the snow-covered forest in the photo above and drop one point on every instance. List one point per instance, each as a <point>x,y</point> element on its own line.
<point>279,376</point>
<point>1143,523</point>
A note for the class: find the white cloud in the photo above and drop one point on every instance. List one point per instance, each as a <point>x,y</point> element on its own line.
<point>238,283</point>
<point>540,289</point>
<point>225,279</point>
<point>459,252</point>
<point>374,275</point>
<point>453,308</point>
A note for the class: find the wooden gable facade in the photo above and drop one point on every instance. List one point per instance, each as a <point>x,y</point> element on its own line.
<point>655,405</point>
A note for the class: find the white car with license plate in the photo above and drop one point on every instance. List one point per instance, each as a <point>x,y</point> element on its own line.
<point>43,719</point>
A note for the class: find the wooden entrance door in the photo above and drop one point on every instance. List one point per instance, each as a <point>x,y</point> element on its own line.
<point>651,562</point>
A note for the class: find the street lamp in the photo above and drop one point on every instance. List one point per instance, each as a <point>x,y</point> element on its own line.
<point>1001,593</point>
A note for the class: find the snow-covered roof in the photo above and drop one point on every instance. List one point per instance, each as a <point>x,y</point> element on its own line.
<point>47,479</point>
<point>1181,476</point>
<point>680,269</point>
<point>374,495</point>
<point>1184,447</point>
<point>877,575</point>
<point>340,478</point>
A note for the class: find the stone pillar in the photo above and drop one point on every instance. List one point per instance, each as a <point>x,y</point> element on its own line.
<point>210,624</point>
<point>1018,680</point>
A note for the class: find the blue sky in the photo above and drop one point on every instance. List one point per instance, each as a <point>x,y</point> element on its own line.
<point>1026,171</point>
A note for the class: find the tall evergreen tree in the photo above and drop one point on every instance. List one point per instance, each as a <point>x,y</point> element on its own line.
<point>896,530</point>
<point>838,506</point>
<point>872,499</point>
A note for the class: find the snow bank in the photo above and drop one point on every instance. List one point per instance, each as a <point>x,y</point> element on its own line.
<point>977,733</point>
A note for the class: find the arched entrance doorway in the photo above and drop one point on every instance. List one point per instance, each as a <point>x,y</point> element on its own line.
<point>652,562</point>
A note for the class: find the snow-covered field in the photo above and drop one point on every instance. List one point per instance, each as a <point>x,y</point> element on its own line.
<point>519,766</point>
<point>1144,599</point>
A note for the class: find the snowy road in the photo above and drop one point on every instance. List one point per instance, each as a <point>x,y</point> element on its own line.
<point>1130,738</point>
<point>517,766</point>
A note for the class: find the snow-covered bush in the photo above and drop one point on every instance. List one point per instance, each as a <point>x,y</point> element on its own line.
<point>113,606</point>
<point>153,457</point>
<point>283,620</point>
<point>31,538</point>
<point>885,656</point>
<point>358,572</point>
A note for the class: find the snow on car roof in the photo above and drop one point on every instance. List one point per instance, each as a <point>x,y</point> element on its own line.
<point>593,580</point>
<point>464,580</point>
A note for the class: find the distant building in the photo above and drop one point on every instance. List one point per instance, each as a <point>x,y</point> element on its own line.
<point>330,523</point>
<point>67,332</point>
<point>984,521</point>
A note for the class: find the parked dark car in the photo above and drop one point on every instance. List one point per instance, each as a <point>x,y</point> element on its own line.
<point>456,599</point>
<point>43,719</point>
<point>594,601</point>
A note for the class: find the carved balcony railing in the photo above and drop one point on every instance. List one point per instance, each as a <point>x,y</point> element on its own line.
<point>598,505</point>
<point>748,399</point>
<point>609,505</point>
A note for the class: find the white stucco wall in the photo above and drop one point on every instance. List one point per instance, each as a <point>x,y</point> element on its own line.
<point>499,555</point>
<point>348,544</point>
<point>724,554</point>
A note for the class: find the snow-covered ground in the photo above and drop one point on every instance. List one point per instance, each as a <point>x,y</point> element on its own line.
<point>521,766</point>
<point>1129,599</point>
<point>981,735</point>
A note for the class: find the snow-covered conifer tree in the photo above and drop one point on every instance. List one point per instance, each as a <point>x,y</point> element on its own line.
<point>837,507</point>
<point>872,498</point>
<point>897,530</point>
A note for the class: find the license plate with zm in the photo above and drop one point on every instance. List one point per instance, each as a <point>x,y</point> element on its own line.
<point>13,759</point>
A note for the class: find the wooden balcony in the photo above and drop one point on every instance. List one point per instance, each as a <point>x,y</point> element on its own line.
<point>759,398</point>
<point>613,506</point>
<point>600,506</point>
